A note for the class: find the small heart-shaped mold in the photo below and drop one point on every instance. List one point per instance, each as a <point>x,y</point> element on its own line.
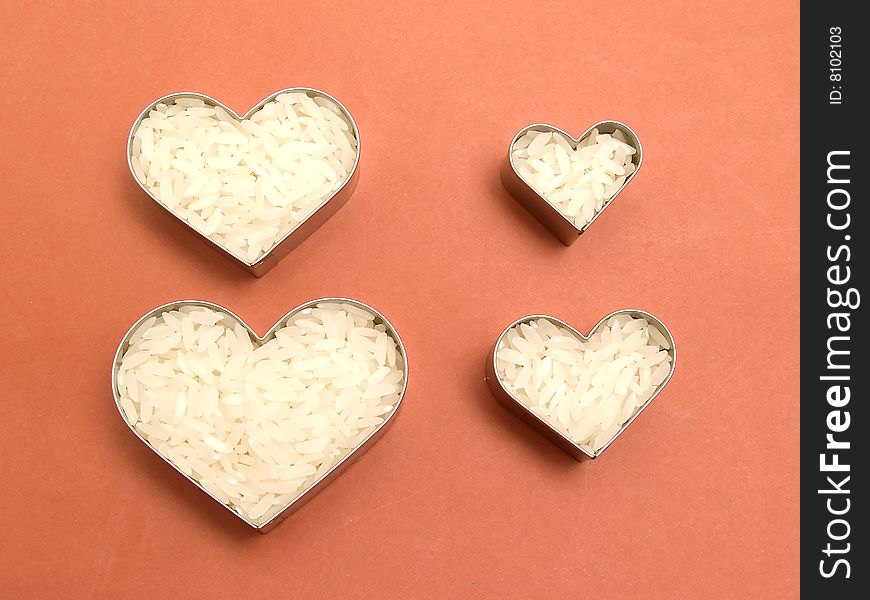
<point>566,228</point>
<point>180,413</point>
<point>630,344</point>
<point>284,237</point>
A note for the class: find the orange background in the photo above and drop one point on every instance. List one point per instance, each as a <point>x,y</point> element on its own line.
<point>699,499</point>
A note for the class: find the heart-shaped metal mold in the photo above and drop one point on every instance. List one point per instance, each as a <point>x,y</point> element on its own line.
<point>318,484</point>
<point>539,423</point>
<point>327,207</point>
<point>559,224</point>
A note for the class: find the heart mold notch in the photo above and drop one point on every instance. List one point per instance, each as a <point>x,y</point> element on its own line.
<point>308,482</point>
<point>292,229</point>
<point>547,212</point>
<point>536,416</point>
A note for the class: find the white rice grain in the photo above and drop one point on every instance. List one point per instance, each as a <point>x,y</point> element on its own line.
<point>579,182</point>
<point>246,184</point>
<point>257,424</point>
<point>586,389</point>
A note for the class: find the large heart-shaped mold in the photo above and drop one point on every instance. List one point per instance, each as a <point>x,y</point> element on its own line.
<point>539,207</point>
<point>320,483</point>
<point>512,403</point>
<point>319,215</point>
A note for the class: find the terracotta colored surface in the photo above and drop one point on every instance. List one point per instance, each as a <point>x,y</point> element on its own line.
<point>697,500</point>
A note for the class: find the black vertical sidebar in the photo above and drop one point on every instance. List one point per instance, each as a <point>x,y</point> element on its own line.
<point>835,347</point>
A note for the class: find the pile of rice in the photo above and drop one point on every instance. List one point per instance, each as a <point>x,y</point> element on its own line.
<point>255,424</point>
<point>244,184</point>
<point>578,182</point>
<point>585,389</point>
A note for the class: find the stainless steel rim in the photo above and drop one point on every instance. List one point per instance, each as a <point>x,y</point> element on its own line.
<point>214,102</point>
<point>629,311</point>
<point>609,124</point>
<point>379,318</point>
